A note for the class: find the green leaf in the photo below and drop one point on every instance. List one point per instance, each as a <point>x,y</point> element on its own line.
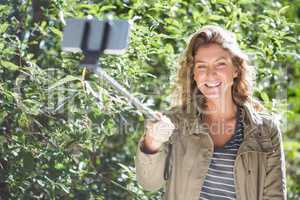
<point>9,65</point>
<point>3,27</point>
<point>68,78</point>
<point>264,97</point>
<point>3,114</point>
<point>2,140</point>
<point>59,166</point>
<point>107,8</point>
<point>63,187</point>
<point>28,162</point>
<point>56,32</point>
<point>284,9</point>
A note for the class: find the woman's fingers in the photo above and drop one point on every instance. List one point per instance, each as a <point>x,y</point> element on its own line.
<point>159,114</point>
<point>159,131</point>
<point>168,121</point>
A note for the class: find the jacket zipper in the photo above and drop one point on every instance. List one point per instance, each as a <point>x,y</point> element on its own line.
<point>189,175</point>
<point>236,159</point>
<point>234,174</point>
<point>234,177</point>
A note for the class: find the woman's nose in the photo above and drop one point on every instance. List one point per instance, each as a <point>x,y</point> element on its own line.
<point>210,73</point>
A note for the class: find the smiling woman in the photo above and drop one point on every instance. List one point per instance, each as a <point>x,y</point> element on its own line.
<point>214,72</point>
<point>218,143</point>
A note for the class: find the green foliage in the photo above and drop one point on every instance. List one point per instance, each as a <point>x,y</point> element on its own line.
<point>66,134</point>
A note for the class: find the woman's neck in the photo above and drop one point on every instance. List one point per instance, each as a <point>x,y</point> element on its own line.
<point>220,110</point>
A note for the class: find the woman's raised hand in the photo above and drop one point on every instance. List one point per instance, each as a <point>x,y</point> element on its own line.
<point>157,132</point>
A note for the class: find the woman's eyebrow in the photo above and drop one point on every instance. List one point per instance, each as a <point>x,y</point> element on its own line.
<point>201,61</point>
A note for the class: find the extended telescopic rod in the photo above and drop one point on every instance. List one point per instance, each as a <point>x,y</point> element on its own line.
<point>122,90</point>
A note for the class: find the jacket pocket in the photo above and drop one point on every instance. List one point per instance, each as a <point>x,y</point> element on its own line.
<point>254,173</point>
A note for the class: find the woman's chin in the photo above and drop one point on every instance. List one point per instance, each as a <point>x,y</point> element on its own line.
<point>212,97</point>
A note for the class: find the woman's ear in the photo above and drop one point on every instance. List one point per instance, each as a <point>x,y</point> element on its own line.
<point>235,73</point>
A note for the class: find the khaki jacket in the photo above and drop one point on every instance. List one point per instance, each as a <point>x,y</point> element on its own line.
<point>181,164</point>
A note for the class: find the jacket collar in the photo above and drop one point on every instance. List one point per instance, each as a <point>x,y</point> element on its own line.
<point>250,117</point>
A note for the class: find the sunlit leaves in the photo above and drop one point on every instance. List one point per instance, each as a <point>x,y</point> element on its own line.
<point>66,134</point>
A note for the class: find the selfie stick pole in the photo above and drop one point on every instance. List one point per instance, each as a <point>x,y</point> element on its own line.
<point>122,90</point>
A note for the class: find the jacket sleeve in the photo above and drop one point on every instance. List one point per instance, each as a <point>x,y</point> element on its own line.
<point>275,182</point>
<point>150,167</point>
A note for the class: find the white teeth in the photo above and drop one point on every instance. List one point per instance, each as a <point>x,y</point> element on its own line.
<point>213,84</point>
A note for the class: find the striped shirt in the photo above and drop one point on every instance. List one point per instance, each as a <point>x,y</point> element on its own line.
<point>219,181</point>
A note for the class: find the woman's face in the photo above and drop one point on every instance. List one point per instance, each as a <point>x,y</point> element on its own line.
<point>214,71</point>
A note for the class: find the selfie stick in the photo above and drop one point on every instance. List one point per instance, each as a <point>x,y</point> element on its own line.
<point>147,111</point>
<point>93,38</point>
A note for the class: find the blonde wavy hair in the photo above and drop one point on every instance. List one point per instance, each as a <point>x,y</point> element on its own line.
<point>186,93</point>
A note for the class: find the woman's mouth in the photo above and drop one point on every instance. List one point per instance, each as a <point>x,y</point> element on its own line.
<point>213,85</point>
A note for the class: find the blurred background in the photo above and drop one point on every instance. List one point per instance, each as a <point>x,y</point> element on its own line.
<point>65,134</point>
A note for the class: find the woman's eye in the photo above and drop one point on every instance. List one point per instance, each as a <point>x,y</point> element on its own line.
<point>201,67</point>
<point>221,64</point>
